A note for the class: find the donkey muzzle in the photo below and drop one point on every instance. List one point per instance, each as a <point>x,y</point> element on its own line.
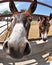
<point>18,52</point>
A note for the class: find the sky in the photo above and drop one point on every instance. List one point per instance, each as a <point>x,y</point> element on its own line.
<point>23,5</point>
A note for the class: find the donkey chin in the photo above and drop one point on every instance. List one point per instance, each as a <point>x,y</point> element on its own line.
<point>17,51</point>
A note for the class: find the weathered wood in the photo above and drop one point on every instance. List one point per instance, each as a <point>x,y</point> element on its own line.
<point>28,1</point>
<point>39,46</point>
<point>9,15</point>
<point>5,15</point>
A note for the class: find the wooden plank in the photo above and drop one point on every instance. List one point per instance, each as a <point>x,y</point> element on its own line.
<point>5,15</point>
<point>28,1</point>
<point>38,46</point>
<point>9,15</point>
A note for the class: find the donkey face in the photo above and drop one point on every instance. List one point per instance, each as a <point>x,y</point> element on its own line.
<point>44,28</point>
<point>17,44</point>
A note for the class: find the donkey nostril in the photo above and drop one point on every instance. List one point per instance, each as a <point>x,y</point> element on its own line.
<point>44,39</point>
<point>5,48</point>
<point>27,49</point>
<point>5,45</point>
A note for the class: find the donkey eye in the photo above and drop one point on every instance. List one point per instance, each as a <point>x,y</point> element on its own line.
<point>30,18</point>
<point>11,19</point>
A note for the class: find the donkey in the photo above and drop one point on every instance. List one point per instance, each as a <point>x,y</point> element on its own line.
<point>17,45</point>
<point>50,18</point>
<point>44,27</point>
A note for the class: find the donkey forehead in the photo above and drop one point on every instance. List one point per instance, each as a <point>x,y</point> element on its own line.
<point>20,16</point>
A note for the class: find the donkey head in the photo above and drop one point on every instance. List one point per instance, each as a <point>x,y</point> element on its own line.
<point>17,44</point>
<point>44,28</point>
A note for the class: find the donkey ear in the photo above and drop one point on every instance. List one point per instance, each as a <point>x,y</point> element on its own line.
<point>32,7</point>
<point>12,6</point>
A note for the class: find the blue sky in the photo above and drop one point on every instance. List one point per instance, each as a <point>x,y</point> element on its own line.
<point>22,5</point>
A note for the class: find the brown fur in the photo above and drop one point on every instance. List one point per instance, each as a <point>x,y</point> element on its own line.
<point>17,44</point>
<point>25,16</point>
<point>43,27</point>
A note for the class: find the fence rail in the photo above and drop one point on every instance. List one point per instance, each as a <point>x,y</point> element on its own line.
<point>9,15</point>
<point>6,24</point>
<point>3,31</point>
<point>5,15</point>
<point>28,1</point>
<point>3,25</point>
